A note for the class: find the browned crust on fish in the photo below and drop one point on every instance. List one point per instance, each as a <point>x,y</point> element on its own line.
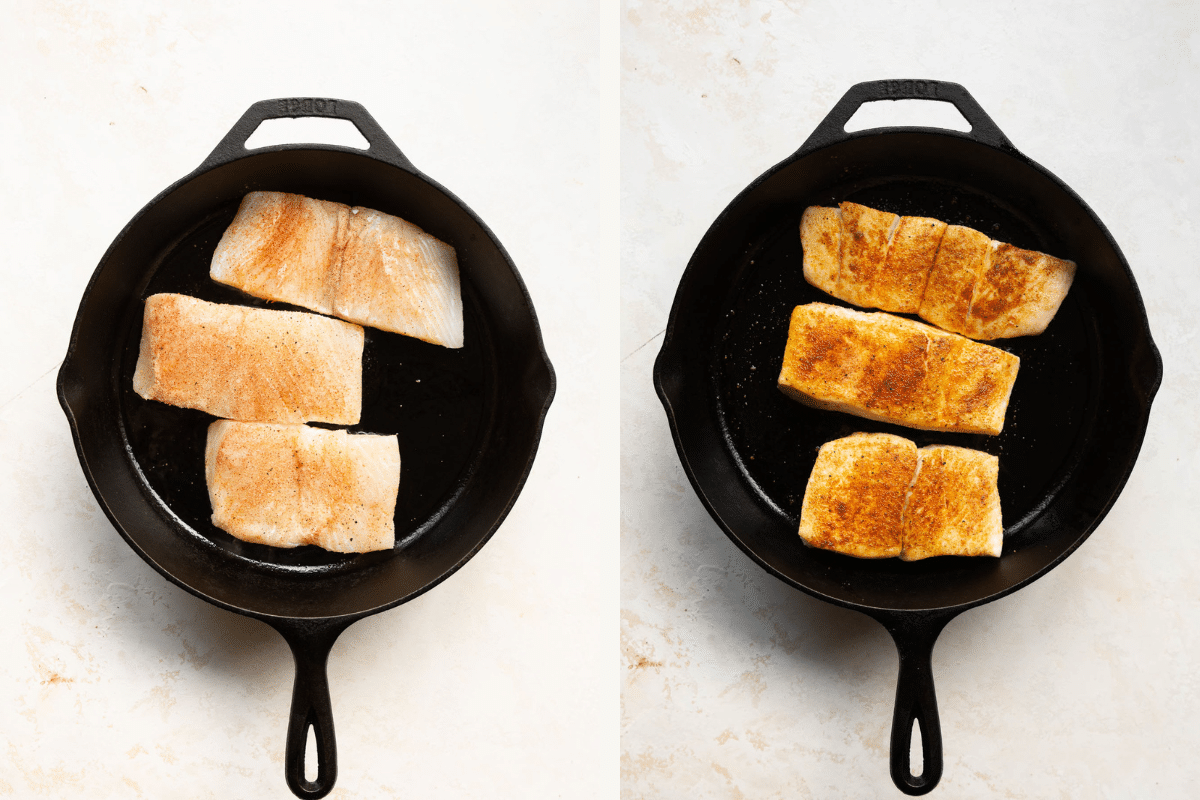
<point>953,505</point>
<point>952,276</point>
<point>875,495</point>
<point>855,495</point>
<point>901,284</point>
<point>865,236</point>
<point>891,369</point>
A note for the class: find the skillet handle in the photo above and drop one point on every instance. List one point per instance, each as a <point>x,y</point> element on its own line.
<point>310,641</point>
<point>832,129</point>
<point>914,633</point>
<point>233,145</point>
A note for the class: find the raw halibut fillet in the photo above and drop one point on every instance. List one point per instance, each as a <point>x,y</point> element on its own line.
<point>892,369</point>
<point>278,248</point>
<point>249,364</point>
<point>355,263</point>
<point>396,277</point>
<point>291,485</point>
<point>875,495</point>
<point>955,277</point>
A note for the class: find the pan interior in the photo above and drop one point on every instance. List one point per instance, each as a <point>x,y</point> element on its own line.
<point>433,398</point>
<point>775,439</point>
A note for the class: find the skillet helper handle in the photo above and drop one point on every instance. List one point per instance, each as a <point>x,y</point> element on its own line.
<point>914,633</point>
<point>233,145</point>
<point>310,642</point>
<point>833,128</point>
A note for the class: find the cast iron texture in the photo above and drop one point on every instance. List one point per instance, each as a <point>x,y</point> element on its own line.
<point>1074,425</point>
<point>468,420</point>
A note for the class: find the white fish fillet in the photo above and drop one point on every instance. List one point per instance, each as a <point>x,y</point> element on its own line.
<point>952,276</point>
<point>896,370</point>
<point>875,495</point>
<point>355,263</point>
<point>249,364</point>
<point>292,485</point>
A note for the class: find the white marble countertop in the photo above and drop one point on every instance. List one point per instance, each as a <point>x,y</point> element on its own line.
<point>1084,683</point>
<point>498,683</point>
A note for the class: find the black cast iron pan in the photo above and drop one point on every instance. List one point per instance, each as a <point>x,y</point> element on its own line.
<point>468,420</point>
<point>1074,425</point>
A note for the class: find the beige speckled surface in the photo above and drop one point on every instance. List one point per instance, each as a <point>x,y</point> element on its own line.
<point>501,682</point>
<point>1082,685</point>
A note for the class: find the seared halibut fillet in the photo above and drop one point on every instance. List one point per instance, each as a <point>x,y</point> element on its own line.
<point>355,263</point>
<point>1017,293</point>
<point>953,505</point>
<point>249,364</point>
<point>954,277</point>
<point>875,495</point>
<point>855,495</point>
<point>910,256</point>
<point>892,369</point>
<point>821,241</point>
<point>291,485</point>
<point>951,286</point>
<point>865,236</point>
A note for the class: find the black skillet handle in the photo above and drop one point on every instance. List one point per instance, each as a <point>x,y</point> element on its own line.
<point>915,633</point>
<point>832,129</point>
<point>233,146</point>
<point>310,641</point>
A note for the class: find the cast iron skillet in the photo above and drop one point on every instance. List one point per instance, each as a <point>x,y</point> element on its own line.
<point>1074,425</point>
<point>468,420</point>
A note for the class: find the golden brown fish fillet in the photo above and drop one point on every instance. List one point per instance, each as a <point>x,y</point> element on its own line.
<point>910,257</point>
<point>355,263</point>
<point>1017,293</point>
<point>951,286</point>
<point>821,241</point>
<point>291,485</point>
<point>955,277</point>
<point>865,237</point>
<point>953,505</point>
<point>892,369</point>
<point>249,364</point>
<point>875,495</point>
<point>855,495</point>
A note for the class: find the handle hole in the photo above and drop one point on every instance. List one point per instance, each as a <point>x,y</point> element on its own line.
<point>307,130</point>
<point>312,764</point>
<point>924,113</point>
<point>916,751</point>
